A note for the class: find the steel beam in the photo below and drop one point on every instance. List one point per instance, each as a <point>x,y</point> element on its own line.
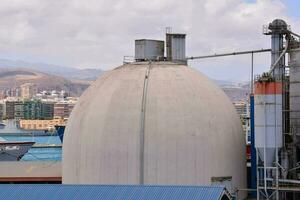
<point>229,54</point>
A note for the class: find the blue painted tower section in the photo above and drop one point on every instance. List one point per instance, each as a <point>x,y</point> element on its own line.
<point>252,148</point>
<point>60,132</point>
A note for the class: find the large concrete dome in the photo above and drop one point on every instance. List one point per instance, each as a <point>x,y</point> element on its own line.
<point>158,123</point>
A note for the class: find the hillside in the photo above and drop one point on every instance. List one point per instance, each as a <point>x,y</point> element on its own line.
<point>235,90</point>
<point>237,93</point>
<point>14,77</point>
<point>56,70</point>
<point>10,78</point>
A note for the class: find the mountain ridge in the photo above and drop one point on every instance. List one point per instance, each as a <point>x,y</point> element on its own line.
<point>13,78</point>
<point>66,72</point>
<point>82,78</point>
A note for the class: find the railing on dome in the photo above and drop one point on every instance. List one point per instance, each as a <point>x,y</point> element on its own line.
<point>128,59</point>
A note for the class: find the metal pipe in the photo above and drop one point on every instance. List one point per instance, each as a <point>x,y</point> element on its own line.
<point>295,168</point>
<point>251,84</point>
<point>280,57</point>
<point>257,178</point>
<point>252,147</point>
<point>276,152</point>
<point>265,154</point>
<point>285,180</point>
<point>295,34</point>
<point>289,181</point>
<point>245,189</point>
<point>229,54</point>
<point>281,167</point>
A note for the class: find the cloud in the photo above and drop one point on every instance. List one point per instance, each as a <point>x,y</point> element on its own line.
<point>98,33</point>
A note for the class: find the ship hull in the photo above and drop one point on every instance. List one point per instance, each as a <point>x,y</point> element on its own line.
<point>11,128</point>
<point>14,151</point>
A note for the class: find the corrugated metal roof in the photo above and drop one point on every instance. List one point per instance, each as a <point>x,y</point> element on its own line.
<point>110,192</point>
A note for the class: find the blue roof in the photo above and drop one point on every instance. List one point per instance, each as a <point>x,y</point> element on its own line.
<point>109,192</point>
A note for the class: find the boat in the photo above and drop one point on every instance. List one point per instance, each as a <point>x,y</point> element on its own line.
<point>13,150</point>
<point>2,125</point>
<point>60,129</point>
<point>12,128</point>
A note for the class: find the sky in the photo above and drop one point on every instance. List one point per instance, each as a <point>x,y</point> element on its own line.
<point>98,33</point>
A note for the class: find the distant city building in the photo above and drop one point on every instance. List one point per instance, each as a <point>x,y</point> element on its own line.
<point>28,90</point>
<point>44,106</point>
<point>33,110</point>
<point>41,124</point>
<point>19,110</point>
<point>47,110</point>
<point>63,109</point>
<point>10,109</point>
<point>2,111</point>
<point>2,95</point>
<point>12,92</point>
<point>51,95</point>
<point>241,107</point>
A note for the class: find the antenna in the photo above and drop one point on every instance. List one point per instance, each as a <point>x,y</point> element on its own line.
<point>169,29</point>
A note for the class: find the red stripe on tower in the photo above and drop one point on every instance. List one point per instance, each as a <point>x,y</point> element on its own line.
<point>267,88</point>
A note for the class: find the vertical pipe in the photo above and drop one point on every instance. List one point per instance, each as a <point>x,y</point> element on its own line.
<point>276,150</point>
<point>276,48</point>
<point>252,147</point>
<point>254,183</point>
<point>265,144</point>
<point>257,178</point>
<point>251,84</point>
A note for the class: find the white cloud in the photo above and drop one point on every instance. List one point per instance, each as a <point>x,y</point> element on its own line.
<point>99,33</point>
